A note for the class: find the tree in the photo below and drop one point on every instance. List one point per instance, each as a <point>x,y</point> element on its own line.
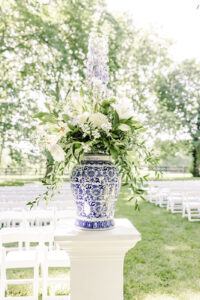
<point>179,95</point>
<point>39,59</point>
<point>43,49</point>
<point>173,153</point>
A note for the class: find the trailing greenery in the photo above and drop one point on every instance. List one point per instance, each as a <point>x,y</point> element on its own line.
<point>122,140</point>
<point>95,121</point>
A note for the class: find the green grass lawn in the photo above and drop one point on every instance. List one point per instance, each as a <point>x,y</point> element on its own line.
<point>165,265</point>
<point>21,180</point>
<point>58,288</point>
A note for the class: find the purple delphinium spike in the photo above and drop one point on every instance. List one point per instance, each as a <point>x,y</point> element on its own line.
<point>97,71</point>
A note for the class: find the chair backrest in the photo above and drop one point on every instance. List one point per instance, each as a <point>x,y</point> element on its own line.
<point>20,236</point>
<point>177,195</point>
<point>40,217</point>
<point>192,198</point>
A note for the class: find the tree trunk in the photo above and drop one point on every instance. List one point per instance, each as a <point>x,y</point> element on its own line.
<point>196,163</point>
<point>1,150</point>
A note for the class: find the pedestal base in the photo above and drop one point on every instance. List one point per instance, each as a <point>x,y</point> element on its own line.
<point>97,259</point>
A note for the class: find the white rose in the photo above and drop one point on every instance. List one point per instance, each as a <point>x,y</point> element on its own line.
<point>124,127</point>
<point>57,152</point>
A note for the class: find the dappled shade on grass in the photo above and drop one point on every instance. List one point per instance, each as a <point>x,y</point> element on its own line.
<point>167,260</point>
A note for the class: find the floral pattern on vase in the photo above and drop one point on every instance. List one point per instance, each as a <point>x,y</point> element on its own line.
<point>95,184</point>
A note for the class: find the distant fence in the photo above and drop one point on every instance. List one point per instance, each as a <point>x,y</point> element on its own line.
<point>37,172</point>
<point>22,171</point>
<point>40,172</point>
<point>171,169</point>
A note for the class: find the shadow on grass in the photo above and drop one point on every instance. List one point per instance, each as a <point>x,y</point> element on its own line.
<point>167,260</point>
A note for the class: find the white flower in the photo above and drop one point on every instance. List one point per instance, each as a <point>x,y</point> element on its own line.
<point>124,127</point>
<point>83,117</point>
<point>124,108</point>
<point>98,120</point>
<point>66,110</point>
<point>57,152</point>
<point>78,103</point>
<point>96,134</point>
<point>86,148</point>
<point>85,128</point>
<point>106,127</point>
<point>53,139</point>
<point>63,129</point>
<point>74,121</point>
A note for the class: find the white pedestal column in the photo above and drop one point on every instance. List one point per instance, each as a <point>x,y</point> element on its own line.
<point>97,259</point>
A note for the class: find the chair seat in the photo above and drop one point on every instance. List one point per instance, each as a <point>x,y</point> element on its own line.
<point>58,258</point>
<point>193,204</point>
<point>21,259</point>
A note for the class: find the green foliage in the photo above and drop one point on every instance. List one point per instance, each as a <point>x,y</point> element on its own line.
<point>107,127</point>
<point>173,153</point>
<point>179,96</point>
<point>43,48</point>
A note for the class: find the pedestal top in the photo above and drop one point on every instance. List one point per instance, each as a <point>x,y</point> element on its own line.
<point>123,230</point>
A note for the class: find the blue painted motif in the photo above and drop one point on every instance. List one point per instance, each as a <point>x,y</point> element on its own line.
<point>95,185</point>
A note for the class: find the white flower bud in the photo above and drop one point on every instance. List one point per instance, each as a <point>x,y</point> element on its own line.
<point>57,152</point>
<point>124,127</point>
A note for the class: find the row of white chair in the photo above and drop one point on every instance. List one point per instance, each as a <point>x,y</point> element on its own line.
<point>59,205</point>
<point>177,202</point>
<point>35,217</point>
<point>26,256</point>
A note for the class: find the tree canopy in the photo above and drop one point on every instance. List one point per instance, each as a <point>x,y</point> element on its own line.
<point>179,94</point>
<point>43,48</point>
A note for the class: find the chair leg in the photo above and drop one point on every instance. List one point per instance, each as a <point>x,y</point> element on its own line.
<point>189,214</point>
<point>44,276</point>
<point>36,279</point>
<point>3,277</point>
<point>184,211</point>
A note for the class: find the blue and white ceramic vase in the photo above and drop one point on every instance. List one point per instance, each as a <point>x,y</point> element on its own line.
<point>95,184</point>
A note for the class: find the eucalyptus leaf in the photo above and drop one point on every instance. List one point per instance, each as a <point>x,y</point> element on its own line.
<point>65,117</point>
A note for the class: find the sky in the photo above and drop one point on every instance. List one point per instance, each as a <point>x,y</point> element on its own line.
<point>175,19</point>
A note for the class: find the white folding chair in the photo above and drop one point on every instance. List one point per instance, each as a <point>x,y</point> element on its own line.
<point>191,208</point>
<point>11,218</point>
<point>153,195</point>
<point>163,197</point>
<point>175,203</point>
<point>53,258</point>
<point>19,259</point>
<point>193,211</point>
<point>40,217</point>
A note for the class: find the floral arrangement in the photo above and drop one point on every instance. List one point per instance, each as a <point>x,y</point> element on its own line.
<point>95,121</point>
